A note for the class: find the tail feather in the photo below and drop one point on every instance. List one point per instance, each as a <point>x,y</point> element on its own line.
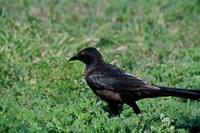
<point>183,93</point>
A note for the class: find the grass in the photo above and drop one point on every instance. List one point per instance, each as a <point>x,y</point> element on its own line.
<point>40,92</point>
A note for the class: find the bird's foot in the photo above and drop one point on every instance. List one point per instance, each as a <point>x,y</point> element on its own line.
<point>113,110</point>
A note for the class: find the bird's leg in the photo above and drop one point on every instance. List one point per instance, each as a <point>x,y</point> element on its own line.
<point>131,102</point>
<point>114,109</point>
<point>135,107</point>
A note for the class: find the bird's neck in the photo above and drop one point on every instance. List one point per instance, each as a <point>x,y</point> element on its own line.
<point>94,65</point>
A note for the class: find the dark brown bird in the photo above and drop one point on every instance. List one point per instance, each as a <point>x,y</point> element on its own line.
<point>117,87</point>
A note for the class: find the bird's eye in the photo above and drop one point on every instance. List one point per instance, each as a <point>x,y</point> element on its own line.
<point>82,53</point>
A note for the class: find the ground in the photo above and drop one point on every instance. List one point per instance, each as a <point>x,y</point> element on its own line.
<point>41,92</point>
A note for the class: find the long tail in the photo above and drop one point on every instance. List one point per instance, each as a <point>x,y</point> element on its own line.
<point>183,93</point>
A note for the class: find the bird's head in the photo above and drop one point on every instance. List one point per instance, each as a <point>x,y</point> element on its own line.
<point>88,56</point>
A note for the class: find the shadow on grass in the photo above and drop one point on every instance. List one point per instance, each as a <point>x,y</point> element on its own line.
<point>192,124</point>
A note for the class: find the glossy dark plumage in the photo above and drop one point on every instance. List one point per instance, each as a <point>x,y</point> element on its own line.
<point>117,87</point>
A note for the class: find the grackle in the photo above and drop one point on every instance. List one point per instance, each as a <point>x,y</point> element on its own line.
<point>117,87</point>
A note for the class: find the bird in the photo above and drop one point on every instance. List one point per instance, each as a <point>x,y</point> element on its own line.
<point>117,87</point>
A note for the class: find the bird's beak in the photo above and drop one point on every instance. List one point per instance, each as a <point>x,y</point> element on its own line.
<point>75,57</point>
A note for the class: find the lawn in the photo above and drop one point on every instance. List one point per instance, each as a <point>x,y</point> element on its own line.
<point>41,92</point>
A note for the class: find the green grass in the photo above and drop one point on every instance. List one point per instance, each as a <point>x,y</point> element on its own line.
<point>40,92</point>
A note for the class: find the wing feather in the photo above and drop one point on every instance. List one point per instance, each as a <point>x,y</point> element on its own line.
<point>117,80</point>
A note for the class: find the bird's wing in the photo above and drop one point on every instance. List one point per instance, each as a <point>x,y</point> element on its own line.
<point>116,80</point>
